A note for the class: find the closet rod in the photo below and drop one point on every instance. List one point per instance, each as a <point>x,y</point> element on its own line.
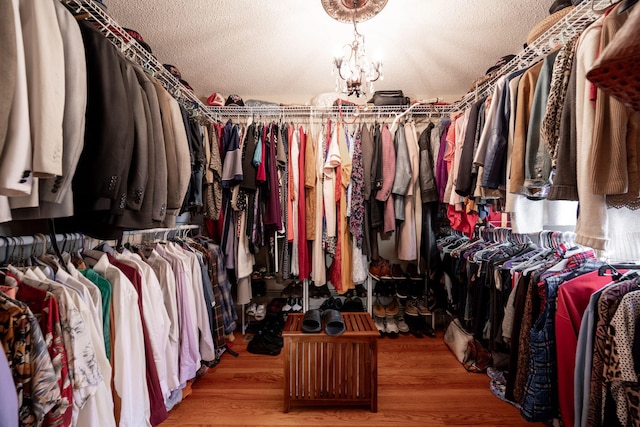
<point>16,247</point>
<point>185,227</point>
<point>136,53</point>
<point>436,110</point>
<point>561,32</point>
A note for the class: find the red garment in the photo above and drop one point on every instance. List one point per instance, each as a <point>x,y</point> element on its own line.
<point>573,299</point>
<point>461,220</point>
<point>335,271</point>
<point>304,262</point>
<point>46,307</point>
<point>261,172</point>
<point>158,410</point>
<point>219,129</point>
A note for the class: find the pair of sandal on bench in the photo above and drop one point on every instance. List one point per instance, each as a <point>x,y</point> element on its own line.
<point>333,322</point>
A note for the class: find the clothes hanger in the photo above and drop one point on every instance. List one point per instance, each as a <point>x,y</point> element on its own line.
<point>626,4</point>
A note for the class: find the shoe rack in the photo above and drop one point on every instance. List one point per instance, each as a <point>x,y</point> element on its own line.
<point>310,303</point>
<point>372,280</point>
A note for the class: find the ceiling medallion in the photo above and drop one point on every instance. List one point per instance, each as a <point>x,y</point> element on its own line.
<point>343,10</point>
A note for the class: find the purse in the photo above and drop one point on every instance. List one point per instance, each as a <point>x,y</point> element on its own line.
<point>468,350</point>
<point>389,97</point>
<point>457,339</point>
<point>616,70</point>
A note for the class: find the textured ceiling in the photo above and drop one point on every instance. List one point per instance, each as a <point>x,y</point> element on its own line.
<point>281,50</point>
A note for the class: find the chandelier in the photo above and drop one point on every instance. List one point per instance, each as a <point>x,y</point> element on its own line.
<point>354,72</point>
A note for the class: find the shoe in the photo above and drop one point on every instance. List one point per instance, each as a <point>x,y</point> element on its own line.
<point>396,271</point>
<point>261,311</point>
<point>411,308</point>
<point>423,309</point>
<point>384,268</point>
<point>333,323</point>
<point>314,291</point>
<point>421,324</point>
<point>391,327</point>
<point>357,305</point>
<point>297,306</point>
<point>392,308</point>
<point>347,304</point>
<point>402,325</point>
<point>251,310</point>
<point>297,290</point>
<point>402,289</point>
<point>379,322</point>
<point>258,288</point>
<point>379,310</point>
<point>288,290</point>
<point>361,291</point>
<point>312,321</point>
<point>412,270</point>
<point>413,327</point>
<point>329,303</point>
<point>288,306</point>
<point>324,291</point>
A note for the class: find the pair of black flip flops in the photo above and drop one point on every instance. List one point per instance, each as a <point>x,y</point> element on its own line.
<point>333,322</point>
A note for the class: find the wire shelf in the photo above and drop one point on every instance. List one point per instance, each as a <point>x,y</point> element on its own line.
<point>571,24</point>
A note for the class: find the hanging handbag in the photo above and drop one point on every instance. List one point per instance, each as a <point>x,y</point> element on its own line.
<point>616,70</point>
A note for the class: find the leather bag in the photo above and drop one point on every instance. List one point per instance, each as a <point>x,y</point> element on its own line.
<point>389,97</point>
<point>616,70</point>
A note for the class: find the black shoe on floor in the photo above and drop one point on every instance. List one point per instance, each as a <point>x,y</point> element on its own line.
<point>414,329</point>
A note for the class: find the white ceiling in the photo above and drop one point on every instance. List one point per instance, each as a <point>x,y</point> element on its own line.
<point>281,50</point>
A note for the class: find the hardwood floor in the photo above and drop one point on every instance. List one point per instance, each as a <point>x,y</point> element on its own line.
<point>419,383</point>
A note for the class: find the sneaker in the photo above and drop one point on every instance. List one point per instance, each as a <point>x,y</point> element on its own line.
<point>423,309</point>
<point>261,311</point>
<point>287,307</point>
<point>393,307</point>
<point>379,322</point>
<point>251,310</point>
<point>402,289</point>
<point>402,325</point>
<point>391,327</point>
<point>379,310</point>
<point>411,308</point>
<point>297,306</point>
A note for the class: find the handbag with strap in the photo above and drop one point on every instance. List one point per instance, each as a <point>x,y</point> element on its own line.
<point>616,70</point>
<point>389,97</point>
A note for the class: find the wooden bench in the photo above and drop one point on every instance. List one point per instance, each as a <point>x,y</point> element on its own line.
<point>321,370</point>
